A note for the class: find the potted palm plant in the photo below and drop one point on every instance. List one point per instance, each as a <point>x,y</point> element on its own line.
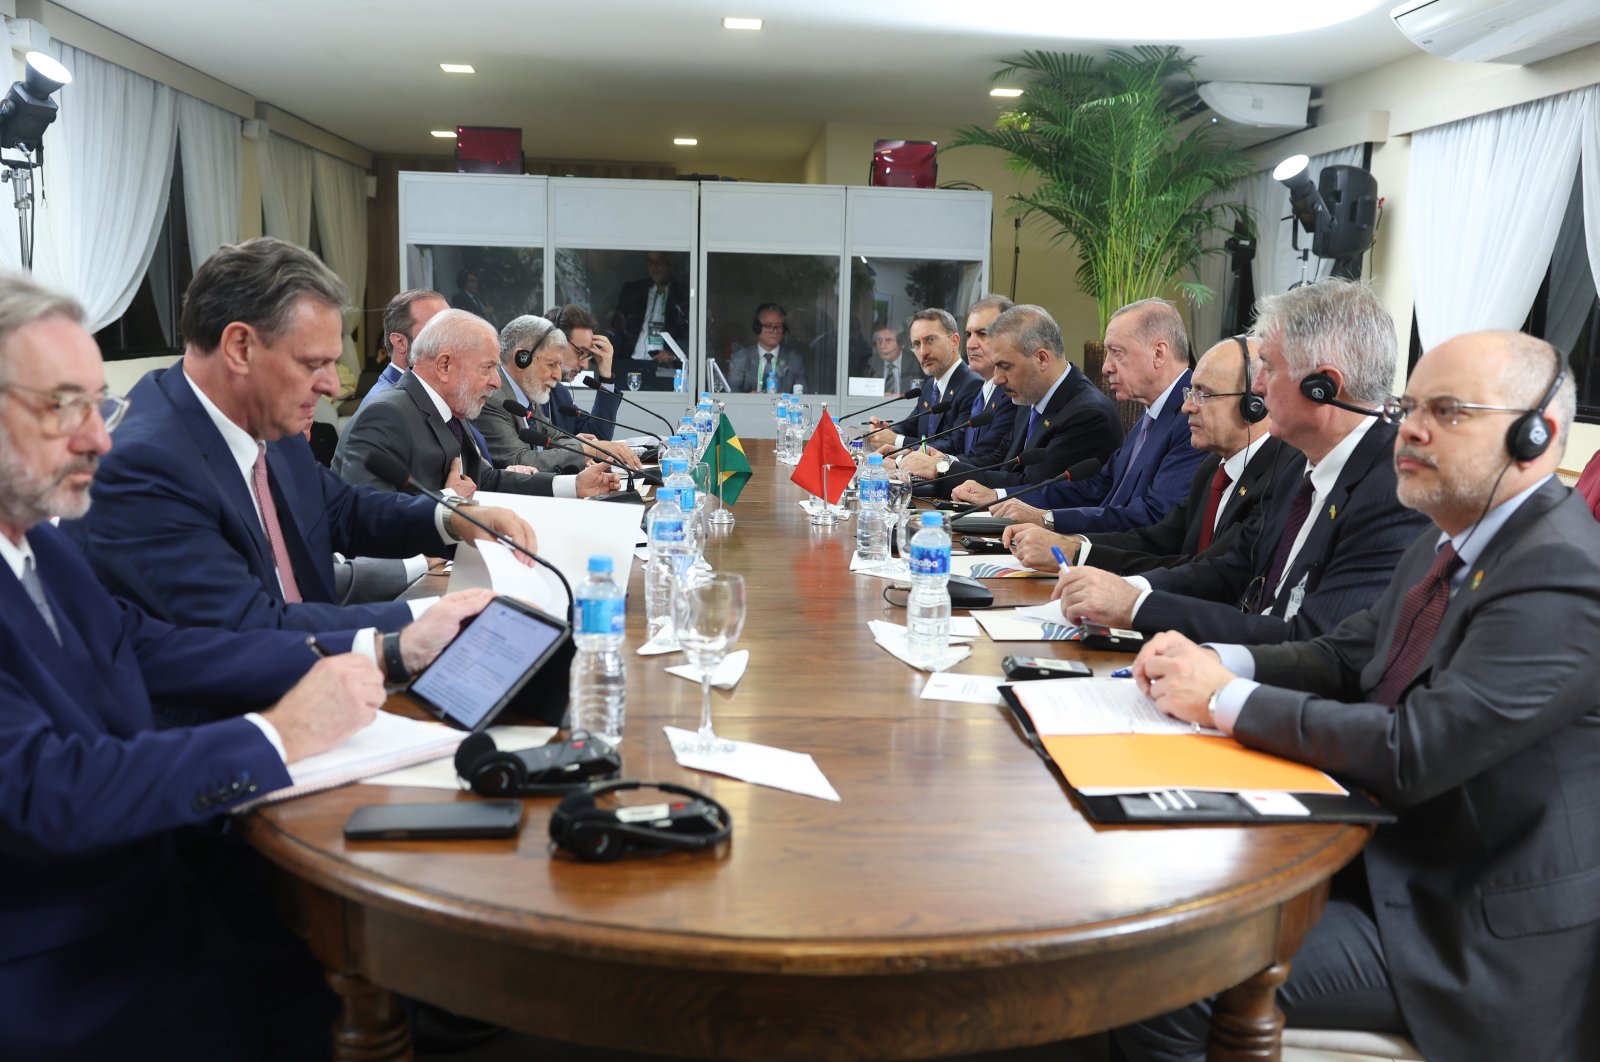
<point>1105,138</point>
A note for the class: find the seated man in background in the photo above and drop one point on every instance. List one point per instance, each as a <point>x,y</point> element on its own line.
<point>1229,423</point>
<point>403,318</point>
<point>656,304</point>
<point>211,511</point>
<point>1057,409</point>
<point>1333,529</point>
<point>1464,699</point>
<point>897,366</point>
<point>533,356</point>
<point>110,944</point>
<point>771,364</point>
<point>584,345</point>
<point>982,446</point>
<point>1147,361</point>
<point>947,381</point>
<point>455,369</point>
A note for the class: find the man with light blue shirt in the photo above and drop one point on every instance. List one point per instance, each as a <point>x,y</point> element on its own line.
<point>1147,361</point>
<point>1464,699</point>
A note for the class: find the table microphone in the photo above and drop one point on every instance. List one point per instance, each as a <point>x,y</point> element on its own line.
<point>595,385</point>
<point>910,392</point>
<point>982,420</point>
<point>1085,469</point>
<point>393,471</point>
<point>534,435</point>
<point>1025,458</point>
<point>573,411</point>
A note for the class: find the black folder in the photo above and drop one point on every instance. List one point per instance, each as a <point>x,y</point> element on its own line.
<point>1210,807</point>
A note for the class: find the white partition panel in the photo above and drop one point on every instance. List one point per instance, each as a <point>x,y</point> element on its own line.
<point>492,210</point>
<point>921,223</point>
<point>624,215</point>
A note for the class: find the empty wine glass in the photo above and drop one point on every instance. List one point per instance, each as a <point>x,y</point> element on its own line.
<point>634,381</point>
<point>701,516</point>
<point>708,611</point>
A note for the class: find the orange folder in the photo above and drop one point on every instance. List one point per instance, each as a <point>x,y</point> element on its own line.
<point>1121,763</point>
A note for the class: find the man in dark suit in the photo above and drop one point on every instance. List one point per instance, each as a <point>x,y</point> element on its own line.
<point>533,357</point>
<point>771,363</point>
<point>980,446</point>
<point>895,365</point>
<point>1224,493</point>
<point>586,347</point>
<point>936,343</point>
<point>1147,361</point>
<point>110,946</point>
<point>469,296</point>
<point>455,369</point>
<point>1464,699</point>
<point>1057,409</point>
<point>648,308</point>
<point>403,318</point>
<point>212,511</point>
<point>1333,530</point>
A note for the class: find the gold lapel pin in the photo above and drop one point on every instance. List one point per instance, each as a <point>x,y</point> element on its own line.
<point>1477,578</point>
<point>1333,512</point>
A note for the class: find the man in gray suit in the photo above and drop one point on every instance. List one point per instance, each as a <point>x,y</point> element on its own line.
<point>770,363</point>
<point>1465,700</point>
<point>422,422</point>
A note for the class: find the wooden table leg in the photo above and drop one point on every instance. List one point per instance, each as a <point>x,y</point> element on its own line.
<point>372,1025</point>
<point>1246,1024</point>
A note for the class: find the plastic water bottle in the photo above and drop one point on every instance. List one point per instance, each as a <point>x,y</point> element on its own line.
<point>670,557</point>
<point>797,432</point>
<point>705,420</point>
<point>677,380</point>
<point>928,609</point>
<point>769,383</point>
<point>872,517</point>
<point>686,429</point>
<point>676,449</point>
<point>599,684</point>
<point>677,478</point>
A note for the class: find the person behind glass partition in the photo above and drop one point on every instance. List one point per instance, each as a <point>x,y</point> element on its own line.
<point>771,364</point>
<point>648,309</point>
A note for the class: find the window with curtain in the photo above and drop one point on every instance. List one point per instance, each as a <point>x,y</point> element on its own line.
<point>149,326</point>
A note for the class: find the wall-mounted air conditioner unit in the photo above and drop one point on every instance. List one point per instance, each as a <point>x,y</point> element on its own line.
<point>1498,31</point>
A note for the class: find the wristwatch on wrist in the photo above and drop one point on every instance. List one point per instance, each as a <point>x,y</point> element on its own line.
<point>942,466</point>
<point>1049,519</point>
<point>394,664</point>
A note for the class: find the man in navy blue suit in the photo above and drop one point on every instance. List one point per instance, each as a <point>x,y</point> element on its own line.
<point>212,511</point>
<point>403,318</point>
<point>590,349</point>
<point>110,946</point>
<point>1147,361</point>
<point>976,446</point>
<point>936,344</point>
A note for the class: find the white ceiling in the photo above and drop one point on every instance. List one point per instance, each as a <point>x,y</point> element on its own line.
<point>618,79</point>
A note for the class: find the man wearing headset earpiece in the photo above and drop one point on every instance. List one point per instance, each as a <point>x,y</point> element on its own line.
<point>1465,699</point>
<point>1333,529</point>
<point>771,363</point>
<point>1229,422</point>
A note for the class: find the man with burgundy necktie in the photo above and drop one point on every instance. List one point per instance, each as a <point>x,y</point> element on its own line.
<point>1465,700</point>
<point>1331,532</point>
<point>1224,494</point>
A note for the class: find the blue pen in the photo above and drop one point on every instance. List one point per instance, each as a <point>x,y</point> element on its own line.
<point>1061,558</point>
<point>1122,672</point>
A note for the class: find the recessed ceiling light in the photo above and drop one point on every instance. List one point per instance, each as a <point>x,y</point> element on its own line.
<point>444,134</point>
<point>685,141</point>
<point>1005,93</point>
<point>741,23</point>
<point>457,68</point>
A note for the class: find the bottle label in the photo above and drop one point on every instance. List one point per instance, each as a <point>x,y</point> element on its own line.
<point>601,615</point>
<point>685,499</point>
<point>930,560</point>
<point>875,491</point>
<point>667,530</point>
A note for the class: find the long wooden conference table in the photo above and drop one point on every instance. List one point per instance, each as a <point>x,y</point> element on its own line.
<point>954,900</point>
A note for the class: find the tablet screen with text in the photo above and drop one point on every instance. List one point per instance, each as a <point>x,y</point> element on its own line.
<point>486,665</point>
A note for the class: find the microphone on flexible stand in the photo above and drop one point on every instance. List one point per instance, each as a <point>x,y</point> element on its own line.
<point>1085,469</point>
<point>982,420</point>
<point>393,471</point>
<point>595,385</point>
<point>572,411</point>
<point>908,393</point>
<point>534,435</point>
<point>1022,460</point>
<point>936,409</point>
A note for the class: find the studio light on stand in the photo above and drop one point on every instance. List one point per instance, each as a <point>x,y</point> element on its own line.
<point>25,113</point>
<point>1340,211</point>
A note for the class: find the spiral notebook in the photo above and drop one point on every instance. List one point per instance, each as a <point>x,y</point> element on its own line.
<point>388,743</point>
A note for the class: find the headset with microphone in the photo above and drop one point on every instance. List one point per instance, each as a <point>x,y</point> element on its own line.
<point>601,835</point>
<point>547,770</point>
<point>524,358</point>
<point>1324,390</point>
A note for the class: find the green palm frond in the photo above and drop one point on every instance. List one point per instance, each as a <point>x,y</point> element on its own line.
<point>1100,136</point>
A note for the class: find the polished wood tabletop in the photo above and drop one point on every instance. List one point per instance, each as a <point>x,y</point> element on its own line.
<point>956,899</point>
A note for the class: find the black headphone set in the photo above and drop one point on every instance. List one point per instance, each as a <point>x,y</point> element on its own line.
<point>1529,436</point>
<point>1252,407</point>
<point>755,321</point>
<point>601,835</point>
<point>544,771</point>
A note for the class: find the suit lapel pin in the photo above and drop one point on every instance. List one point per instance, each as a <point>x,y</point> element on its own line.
<point>1333,512</point>
<point>1046,424</point>
<point>1243,491</point>
<point>1477,578</point>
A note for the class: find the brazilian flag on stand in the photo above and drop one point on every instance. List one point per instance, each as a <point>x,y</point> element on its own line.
<point>729,466</point>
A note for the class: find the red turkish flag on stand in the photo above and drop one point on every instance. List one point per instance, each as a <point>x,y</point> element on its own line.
<point>824,451</point>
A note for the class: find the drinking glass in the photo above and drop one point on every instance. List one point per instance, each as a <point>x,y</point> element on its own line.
<point>634,381</point>
<point>701,471</point>
<point>708,611</point>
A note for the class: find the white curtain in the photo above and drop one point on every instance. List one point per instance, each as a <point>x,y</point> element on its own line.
<point>108,167</point>
<point>1571,286</point>
<point>208,137</point>
<point>341,196</point>
<point>286,170</point>
<point>1591,181</point>
<point>1486,199</point>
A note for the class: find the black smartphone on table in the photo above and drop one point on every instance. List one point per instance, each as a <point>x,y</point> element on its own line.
<point>434,822</point>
